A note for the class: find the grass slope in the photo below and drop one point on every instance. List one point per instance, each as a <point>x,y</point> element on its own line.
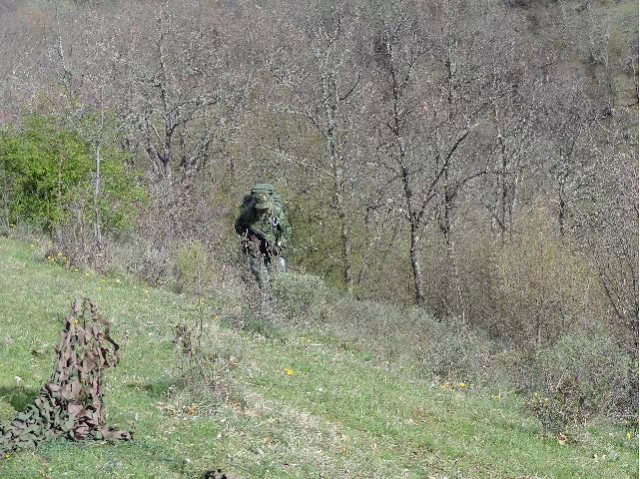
<point>336,416</point>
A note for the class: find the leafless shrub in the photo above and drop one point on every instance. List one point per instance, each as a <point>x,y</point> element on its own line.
<point>584,374</point>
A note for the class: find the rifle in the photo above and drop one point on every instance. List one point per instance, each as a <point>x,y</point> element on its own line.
<point>269,249</point>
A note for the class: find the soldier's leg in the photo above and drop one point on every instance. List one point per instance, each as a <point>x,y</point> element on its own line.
<point>255,261</point>
<point>266,311</point>
<point>259,269</point>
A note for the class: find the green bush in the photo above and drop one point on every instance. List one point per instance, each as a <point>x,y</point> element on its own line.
<point>46,174</point>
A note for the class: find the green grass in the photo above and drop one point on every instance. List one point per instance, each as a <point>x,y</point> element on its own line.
<point>341,414</point>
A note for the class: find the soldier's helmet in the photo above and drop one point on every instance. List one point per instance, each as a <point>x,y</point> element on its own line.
<point>262,201</point>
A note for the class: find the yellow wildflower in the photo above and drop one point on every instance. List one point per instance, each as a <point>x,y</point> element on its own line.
<point>463,385</point>
<point>628,435</point>
<point>288,372</point>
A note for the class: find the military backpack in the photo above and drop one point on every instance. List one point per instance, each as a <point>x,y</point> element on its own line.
<point>258,191</point>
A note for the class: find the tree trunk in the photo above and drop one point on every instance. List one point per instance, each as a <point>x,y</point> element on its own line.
<point>336,166</point>
<point>96,196</point>
<point>505,194</point>
<point>347,274</point>
<point>451,253</point>
<point>453,275</point>
<point>59,185</point>
<point>562,208</point>
<point>418,278</point>
<point>346,248</point>
<point>561,216</point>
<point>98,159</point>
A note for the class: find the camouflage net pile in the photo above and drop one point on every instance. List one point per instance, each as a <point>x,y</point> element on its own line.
<point>70,405</point>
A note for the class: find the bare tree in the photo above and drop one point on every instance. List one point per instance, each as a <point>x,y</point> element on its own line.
<point>397,51</point>
<point>513,92</point>
<point>420,127</point>
<point>173,94</point>
<point>325,93</point>
<point>457,107</point>
<point>86,67</point>
<point>608,224</point>
<point>571,165</point>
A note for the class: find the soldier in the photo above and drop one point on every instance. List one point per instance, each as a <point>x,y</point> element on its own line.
<point>265,231</point>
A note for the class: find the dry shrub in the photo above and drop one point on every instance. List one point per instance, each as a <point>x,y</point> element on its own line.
<point>184,212</point>
<point>22,231</point>
<point>300,299</point>
<point>585,373</point>
<point>192,269</point>
<point>78,253</point>
<point>144,259</point>
<point>178,220</point>
<point>531,289</point>
<point>443,349</point>
<point>75,237</point>
<point>203,363</point>
<point>462,354</point>
<point>195,363</point>
<point>438,296</point>
<point>545,289</point>
<point>477,251</point>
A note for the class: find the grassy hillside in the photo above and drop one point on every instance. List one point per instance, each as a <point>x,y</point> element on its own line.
<point>299,406</point>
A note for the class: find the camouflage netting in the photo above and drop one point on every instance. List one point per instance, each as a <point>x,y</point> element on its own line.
<point>70,405</point>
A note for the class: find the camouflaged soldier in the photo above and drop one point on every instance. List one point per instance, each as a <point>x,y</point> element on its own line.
<point>265,231</point>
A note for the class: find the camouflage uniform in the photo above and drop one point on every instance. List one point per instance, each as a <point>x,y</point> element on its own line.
<point>265,231</point>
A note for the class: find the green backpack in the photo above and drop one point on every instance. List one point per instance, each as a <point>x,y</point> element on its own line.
<point>259,189</point>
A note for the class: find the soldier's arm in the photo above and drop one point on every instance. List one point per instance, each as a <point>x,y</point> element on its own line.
<point>241,225</point>
<point>285,228</point>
